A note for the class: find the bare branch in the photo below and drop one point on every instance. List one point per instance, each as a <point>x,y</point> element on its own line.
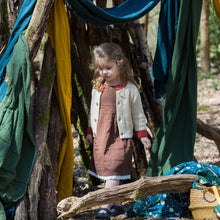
<point>127,192</point>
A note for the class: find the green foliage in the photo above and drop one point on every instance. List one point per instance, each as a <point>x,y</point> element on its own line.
<point>216,85</point>
<point>202,75</point>
<point>214,25</point>
<point>214,28</point>
<point>79,89</point>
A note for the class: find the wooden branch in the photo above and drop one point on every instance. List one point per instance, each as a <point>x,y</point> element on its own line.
<point>37,25</point>
<point>127,192</point>
<point>21,210</point>
<point>41,122</point>
<point>209,132</point>
<point>152,108</point>
<point>12,14</point>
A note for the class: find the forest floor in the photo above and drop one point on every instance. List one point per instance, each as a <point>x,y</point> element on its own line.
<point>205,150</point>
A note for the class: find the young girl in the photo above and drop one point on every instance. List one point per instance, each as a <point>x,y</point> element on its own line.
<point>116,110</point>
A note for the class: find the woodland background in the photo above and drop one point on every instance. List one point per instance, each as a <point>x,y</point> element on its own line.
<point>138,40</point>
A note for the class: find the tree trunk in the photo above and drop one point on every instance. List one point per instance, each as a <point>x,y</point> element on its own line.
<point>152,108</point>
<point>38,189</point>
<point>4,27</point>
<point>205,42</point>
<point>42,183</point>
<point>12,14</point>
<point>37,25</point>
<point>127,192</point>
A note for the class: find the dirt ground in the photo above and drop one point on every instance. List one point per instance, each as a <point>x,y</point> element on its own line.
<point>206,150</point>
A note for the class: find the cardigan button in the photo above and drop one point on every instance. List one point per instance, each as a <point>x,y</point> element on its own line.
<point>97,103</point>
<point>95,119</point>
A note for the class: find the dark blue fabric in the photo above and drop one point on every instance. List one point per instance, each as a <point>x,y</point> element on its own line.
<point>10,212</point>
<point>21,23</point>
<point>127,11</point>
<point>175,205</point>
<point>168,22</point>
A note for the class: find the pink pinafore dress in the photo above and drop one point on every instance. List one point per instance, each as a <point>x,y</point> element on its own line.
<point>112,156</point>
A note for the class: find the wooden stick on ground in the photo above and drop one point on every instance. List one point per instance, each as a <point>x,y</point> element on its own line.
<point>209,132</point>
<point>128,192</point>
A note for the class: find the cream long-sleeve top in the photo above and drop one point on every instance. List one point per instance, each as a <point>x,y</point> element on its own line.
<point>129,111</point>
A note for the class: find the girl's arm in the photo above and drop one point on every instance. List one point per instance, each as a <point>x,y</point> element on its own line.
<point>139,119</point>
<point>146,142</point>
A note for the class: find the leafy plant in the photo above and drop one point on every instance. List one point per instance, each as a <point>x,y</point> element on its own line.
<point>216,85</point>
<point>203,75</point>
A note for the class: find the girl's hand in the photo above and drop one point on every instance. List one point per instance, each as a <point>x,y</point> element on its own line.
<point>146,142</point>
<point>89,139</point>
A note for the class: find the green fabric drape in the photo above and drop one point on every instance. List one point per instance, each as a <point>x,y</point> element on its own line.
<point>174,142</point>
<point>17,151</point>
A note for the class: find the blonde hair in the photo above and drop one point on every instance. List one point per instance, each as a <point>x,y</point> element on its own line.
<point>114,53</point>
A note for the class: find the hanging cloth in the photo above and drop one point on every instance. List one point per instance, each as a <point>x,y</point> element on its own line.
<point>175,139</point>
<point>167,27</point>
<point>21,23</point>
<point>129,10</point>
<point>17,151</point>
<point>58,30</point>
<point>216,4</point>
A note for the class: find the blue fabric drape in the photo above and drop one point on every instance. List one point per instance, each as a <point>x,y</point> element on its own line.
<point>128,11</point>
<point>168,22</point>
<point>21,23</point>
<point>3,89</point>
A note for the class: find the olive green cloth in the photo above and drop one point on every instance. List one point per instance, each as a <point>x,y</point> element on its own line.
<point>174,142</point>
<point>17,146</point>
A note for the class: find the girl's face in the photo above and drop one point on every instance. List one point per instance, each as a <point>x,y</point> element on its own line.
<point>109,70</point>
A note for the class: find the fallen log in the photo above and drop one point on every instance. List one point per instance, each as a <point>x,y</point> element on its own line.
<point>209,132</point>
<point>128,192</point>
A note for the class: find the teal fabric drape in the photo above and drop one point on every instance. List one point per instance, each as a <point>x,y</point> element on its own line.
<point>129,10</point>
<point>17,151</point>
<point>168,23</point>
<point>174,142</point>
